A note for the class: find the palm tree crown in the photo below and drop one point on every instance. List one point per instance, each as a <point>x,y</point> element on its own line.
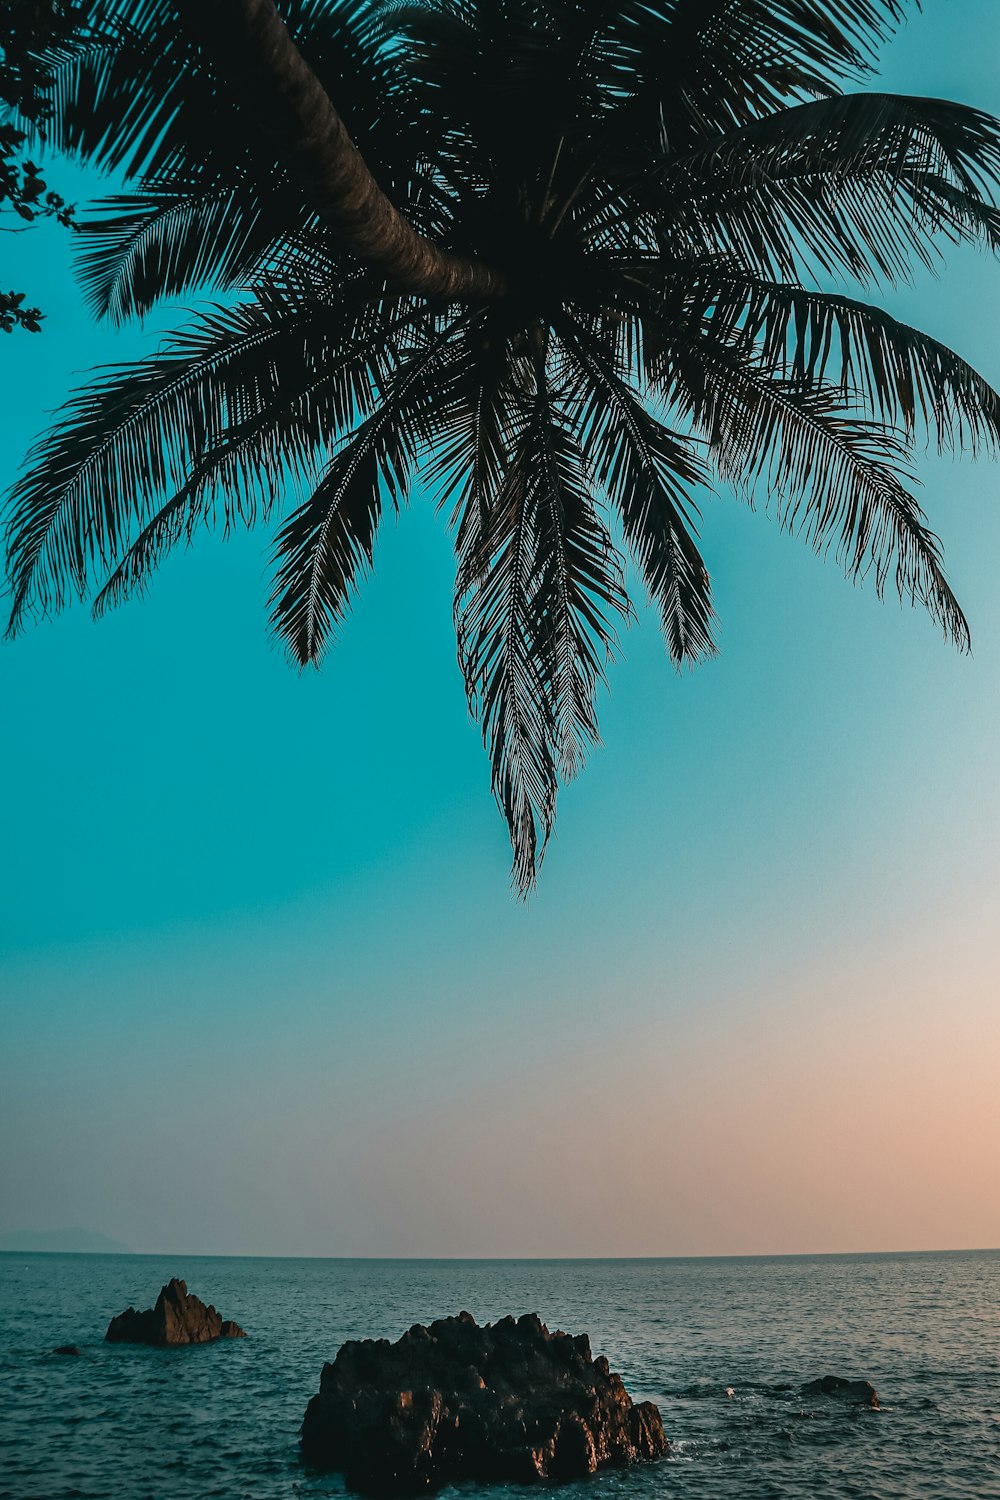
<point>653,194</point>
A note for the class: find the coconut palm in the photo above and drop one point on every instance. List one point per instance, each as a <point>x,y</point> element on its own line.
<point>572,281</point>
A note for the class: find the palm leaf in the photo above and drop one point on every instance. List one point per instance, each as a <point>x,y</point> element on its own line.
<point>504,666</point>
<point>138,430</point>
<point>579,585</point>
<point>249,469</point>
<point>832,476</point>
<point>902,375</point>
<point>688,68</point>
<point>136,248</point>
<point>862,183</point>
<point>647,473</point>
<point>328,542</point>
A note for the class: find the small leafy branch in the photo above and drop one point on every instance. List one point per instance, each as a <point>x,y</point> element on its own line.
<point>35,33</point>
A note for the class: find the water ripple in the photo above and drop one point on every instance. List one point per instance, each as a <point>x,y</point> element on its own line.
<point>125,1423</point>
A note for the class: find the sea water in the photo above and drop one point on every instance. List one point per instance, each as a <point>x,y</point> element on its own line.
<point>129,1423</point>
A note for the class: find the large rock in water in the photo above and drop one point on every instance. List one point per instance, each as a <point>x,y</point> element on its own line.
<point>509,1401</point>
<point>860,1391</point>
<point>177,1318</point>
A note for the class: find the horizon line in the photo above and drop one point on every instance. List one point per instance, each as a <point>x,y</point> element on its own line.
<point>515,1259</point>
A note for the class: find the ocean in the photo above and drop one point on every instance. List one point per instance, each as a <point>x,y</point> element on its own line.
<point>130,1423</point>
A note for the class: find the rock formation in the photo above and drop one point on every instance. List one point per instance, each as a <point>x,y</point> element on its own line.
<point>508,1401</point>
<point>859,1391</point>
<point>177,1318</point>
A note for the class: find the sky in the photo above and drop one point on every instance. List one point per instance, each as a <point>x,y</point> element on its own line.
<point>264,988</point>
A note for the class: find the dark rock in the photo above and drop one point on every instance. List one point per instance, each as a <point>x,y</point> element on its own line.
<point>67,1349</point>
<point>177,1318</point>
<point>858,1391</point>
<point>509,1402</point>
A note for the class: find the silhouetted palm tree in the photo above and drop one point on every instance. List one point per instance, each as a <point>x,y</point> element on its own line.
<point>585,289</point>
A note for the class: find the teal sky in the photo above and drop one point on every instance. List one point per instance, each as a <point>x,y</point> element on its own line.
<point>264,988</point>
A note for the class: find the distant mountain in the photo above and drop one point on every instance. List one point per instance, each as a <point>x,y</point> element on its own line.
<point>65,1241</point>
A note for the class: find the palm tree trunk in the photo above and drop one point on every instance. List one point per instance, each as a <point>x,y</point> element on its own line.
<point>252,47</point>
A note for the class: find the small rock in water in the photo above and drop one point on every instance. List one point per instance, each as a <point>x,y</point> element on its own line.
<point>508,1402</point>
<point>67,1349</point>
<point>177,1318</point>
<point>860,1391</point>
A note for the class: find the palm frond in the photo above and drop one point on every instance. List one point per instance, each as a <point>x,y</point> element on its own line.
<point>248,470</point>
<point>137,248</point>
<point>480,398</point>
<point>860,183</point>
<point>647,473</point>
<point>329,541</point>
<point>138,430</point>
<point>503,665</point>
<point>579,586</point>
<point>832,476</point>
<point>814,338</point>
<point>689,68</point>
<point>539,586</point>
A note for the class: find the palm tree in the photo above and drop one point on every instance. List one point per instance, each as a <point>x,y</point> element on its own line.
<point>573,283</point>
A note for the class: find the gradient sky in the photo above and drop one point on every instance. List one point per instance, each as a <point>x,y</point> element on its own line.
<point>264,989</point>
